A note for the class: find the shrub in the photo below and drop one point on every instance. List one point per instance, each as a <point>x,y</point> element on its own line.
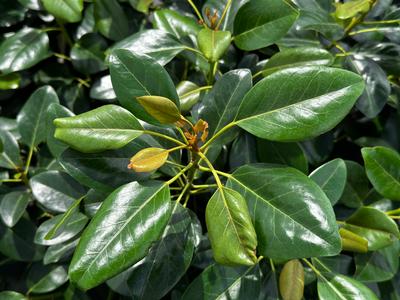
<point>199,149</point>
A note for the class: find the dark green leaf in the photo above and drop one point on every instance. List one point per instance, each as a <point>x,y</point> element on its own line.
<point>175,23</point>
<point>105,128</point>
<point>261,23</point>
<point>188,95</point>
<point>32,117</point>
<point>102,89</point>
<point>12,207</point>
<point>55,190</point>
<point>121,233</point>
<point>9,157</point>
<point>357,186</point>
<point>23,50</point>
<point>243,151</point>
<point>44,279</point>
<point>299,103</point>
<point>10,295</point>
<point>383,170</point>
<point>59,252</point>
<point>66,10</point>
<point>268,189</point>
<point>134,76</point>
<point>331,177</point>
<point>230,230</point>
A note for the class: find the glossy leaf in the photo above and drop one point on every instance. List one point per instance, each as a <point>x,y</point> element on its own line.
<point>134,215</point>
<point>230,230</point>
<point>297,57</point>
<point>12,207</point>
<point>289,154</point>
<point>148,159</point>
<point>102,89</point>
<point>31,119</point>
<point>10,81</point>
<point>261,23</point>
<point>110,19</point>
<point>299,103</point>
<point>59,252</point>
<point>175,23</point>
<point>10,295</point>
<point>268,189</point>
<point>377,87</point>
<point>160,270</point>
<point>23,50</point>
<point>331,177</point>
<point>373,225</point>
<point>104,128</point>
<point>66,10</point>
<point>357,186</point>
<point>157,44</point>
<point>160,108</point>
<point>220,282</point>
<point>353,242</point>
<point>188,94</point>
<point>44,279</point>
<point>213,43</point>
<point>243,151</point>
<point>220,106</point>
<point>383,170</point>
<point>351,9</point>
<point>291,280</point>
<point>55,190</point>
<point>9,157</point>
<point>135,76</point>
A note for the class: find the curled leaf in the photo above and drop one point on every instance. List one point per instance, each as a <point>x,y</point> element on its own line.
<point>353,242</point>
<point>148,159</point>
<point>162,109</point>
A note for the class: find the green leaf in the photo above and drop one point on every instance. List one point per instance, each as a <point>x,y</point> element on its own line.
<point>160,108</point>
<point>379,265</point>
<point>377,87</point>
<point>148,159</point>
<point>12,207</point>
<point>299,103</point>
<point>44,279</point>
<point>110,19</point>
<point>219,7</point>
<point>104,128</point>
<point>55,111</point>
<point>66,10</point>
<point>10,295</point>
<point>230,230</point>
<point>297,57</point>
<point>357,185</point>
<point>243,151</point>
<point>134,215</point>
<point>31,118</point>
<point>17,242</point>
<point>55,190</point>
<point>23,50</point>
<point>10,81</point>
<point>102,89</point>
<point>161,269</point>
<point>59,252</point>
<point>175,23</point>
<point>261,23</point>
<point>158,44</point>
<point>219,107</point>
<point>220,282</point>
<point>9,157</point>
<point>213,43</point>
<point>133,76</point>
<point>74,225</point>
<point>289,154</point>
<point>291,280</point>
<point>353,242</point>
<point>373,225</point>
<point>188,95</point>
<point>352,8</point>
<point>268,189</point>
<point>383,170</point>
<point>340,287</point>
<point>331,177</point>
<point>88,54</point>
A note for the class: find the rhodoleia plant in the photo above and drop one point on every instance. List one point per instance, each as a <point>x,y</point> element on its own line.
<point>224,149</point>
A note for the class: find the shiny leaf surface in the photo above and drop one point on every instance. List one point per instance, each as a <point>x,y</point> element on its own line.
<point>291,280</point>
<point>66,10</point>
<point>12,207</point>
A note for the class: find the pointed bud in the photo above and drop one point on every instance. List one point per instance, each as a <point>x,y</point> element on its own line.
<point>160,108</point>
<point>353,242</point>
<point>213,43</point>
<point>148,159</point>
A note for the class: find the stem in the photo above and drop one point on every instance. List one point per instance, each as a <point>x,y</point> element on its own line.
<point>381,22</point>
<point>228,4</point>
<point>83,82</point>
<point>62,56</point>
<point>315,270</point>
<point>195,50</point>
<point>365,30</point>
<point>176,148</point>
<point>182,135</point>
<point>51,29</point>
<point>227,175</point>
<point>10,180</point>
<point>211,74</point>
<point>219,184</point>
<point>207,87</point>
<point>179,174</point>
<point>185,189</point>
<point>65,34</point>
<point>163,136</point>
<point>395,217</point>
<point>197,12</point>
<point>393,212</point>
<point>257,74</point>
<point>175,164</point>
<point>271,262</point>
<point>203,186</point>
<point>217,135</point>
<point>28,161</point>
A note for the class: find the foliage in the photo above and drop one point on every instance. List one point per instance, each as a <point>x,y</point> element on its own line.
<point>193,149</point>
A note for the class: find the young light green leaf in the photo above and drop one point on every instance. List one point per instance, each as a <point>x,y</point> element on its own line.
<point>160,108</point>
<point>291,280</point>
<point>104,128</point>
<point>127,216</point>
<point>66,10</point>
<point>353,242</point>
<point>299,103</point>
<point>383,170</point>
<point>261,23</point>
<point>23,50</point>
<point>134,76</point>
<point>351,8</point>
<point>213,43</point>
<point>268,189</point>
<point>175,23</point>
<point>148,159</point>
<point>31,118</point>
<point>230,230</point>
